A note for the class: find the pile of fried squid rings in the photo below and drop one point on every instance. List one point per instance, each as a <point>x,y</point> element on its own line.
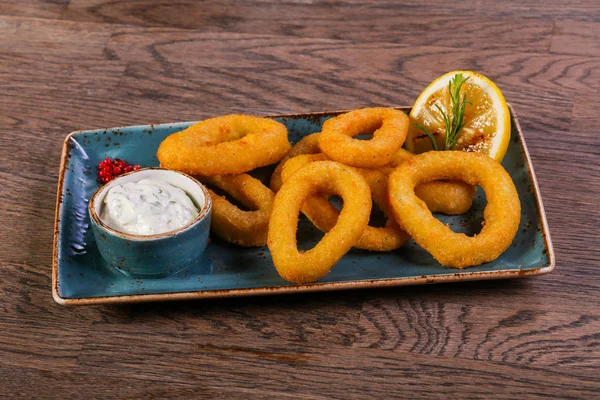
<point>406,187</point>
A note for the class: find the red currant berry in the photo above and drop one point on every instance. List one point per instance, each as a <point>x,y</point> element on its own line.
<point>108,169</point>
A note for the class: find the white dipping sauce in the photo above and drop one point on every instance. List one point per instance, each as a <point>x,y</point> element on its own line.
<point>147,207</point>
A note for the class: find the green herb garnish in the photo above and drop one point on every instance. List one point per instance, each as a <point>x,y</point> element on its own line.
<point>454,122</point>
<point>431,137</point>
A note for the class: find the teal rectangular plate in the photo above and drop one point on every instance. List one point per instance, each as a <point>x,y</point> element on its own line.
<point>80,276</point>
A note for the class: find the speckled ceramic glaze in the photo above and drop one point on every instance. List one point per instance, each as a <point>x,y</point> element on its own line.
<point>82,276</point>
<point>160,255</point>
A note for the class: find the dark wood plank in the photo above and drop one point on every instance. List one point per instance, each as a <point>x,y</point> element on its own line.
<point>316,319</point>
<point>568,171</point>
<point>82,72</point>
<point>299,17</point>
<point>58,66</point>
<point>34,8</point>
<point>306,370</point>
<point>362,22</point>
<point>49,346</point>
<point>585,116</point>
<point>35,221</point>
<point>342,63</point>
<point>581,10</point>
<point>34,36</point>
<point>462,330</point>
<point>323,78</point>
<point>19,383</point>
<point>585,34</point>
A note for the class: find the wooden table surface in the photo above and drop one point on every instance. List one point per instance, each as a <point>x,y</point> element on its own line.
<point>77,64</point>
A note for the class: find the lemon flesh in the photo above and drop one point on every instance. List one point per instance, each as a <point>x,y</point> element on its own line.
<point>487,119</point>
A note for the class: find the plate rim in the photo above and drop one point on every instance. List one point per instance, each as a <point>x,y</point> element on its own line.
<point>304,288</point>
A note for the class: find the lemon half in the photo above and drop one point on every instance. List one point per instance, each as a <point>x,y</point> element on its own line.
<point>487,119</point>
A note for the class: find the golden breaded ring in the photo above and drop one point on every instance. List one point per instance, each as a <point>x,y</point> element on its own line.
<point>399,157</point>
<point>244,228</point>
<point>391,236</point>
<point>231,144</point>
<point>324,215</point>
<point>389,129</point>
<point>448,197</point>
<point>307,145</point>
<point>502,213</point>
<point>317,177</point>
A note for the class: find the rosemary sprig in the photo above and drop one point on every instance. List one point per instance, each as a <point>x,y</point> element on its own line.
<point>454,122</point>
<point>431,137</point>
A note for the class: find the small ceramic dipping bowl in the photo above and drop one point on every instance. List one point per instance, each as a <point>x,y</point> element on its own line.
<point>160,255</point>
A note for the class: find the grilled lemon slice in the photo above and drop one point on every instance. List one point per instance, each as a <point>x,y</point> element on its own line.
<point>487,119</point>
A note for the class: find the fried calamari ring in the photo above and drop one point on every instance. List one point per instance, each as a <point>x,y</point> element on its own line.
<point>244,228</point>
<point>317,177</point>
<point>448,197</point>
<point>502,213</point>
<point>324,215</point>
<point>307,145</point>
<point>399,157</point>
<point>231,144</point>
<point>389,129</point>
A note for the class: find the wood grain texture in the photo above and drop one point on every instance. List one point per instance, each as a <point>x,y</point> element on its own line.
<point>325,319</point>
<point>581,10</point>
<point>79,64</point>
<point>294,16</point>
<point>307,371</point>
<point>51,346</point>
<point>42,36</point>
<point>361,22</point>
<point>477,332</point>
<point>585,34</point>
<point>34,8</point>
<point>75,385</point>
